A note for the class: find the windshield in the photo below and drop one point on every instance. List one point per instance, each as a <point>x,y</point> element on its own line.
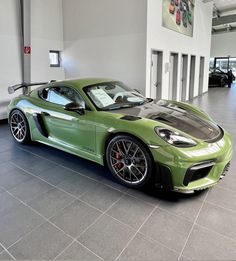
<point>113,95</point>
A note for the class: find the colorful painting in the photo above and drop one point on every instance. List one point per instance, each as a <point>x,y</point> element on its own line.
<point>178,15</point>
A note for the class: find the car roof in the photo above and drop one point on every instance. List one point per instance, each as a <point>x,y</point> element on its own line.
<point>83,82</point>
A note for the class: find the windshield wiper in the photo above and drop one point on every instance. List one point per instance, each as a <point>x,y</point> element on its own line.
<point>117,107</point>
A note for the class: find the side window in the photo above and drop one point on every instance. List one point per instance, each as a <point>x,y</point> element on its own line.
<point>61,96</point>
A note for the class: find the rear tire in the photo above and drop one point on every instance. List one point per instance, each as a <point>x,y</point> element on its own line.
<point>129,161</point>
<point>19,127</point>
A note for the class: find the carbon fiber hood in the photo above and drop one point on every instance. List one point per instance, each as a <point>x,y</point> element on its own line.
<point>176,117</point>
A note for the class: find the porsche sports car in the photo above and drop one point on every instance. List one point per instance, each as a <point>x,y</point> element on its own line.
<point>217,78</point>
<point>172,7</point>
<point>178,17</point>
<point>177,2</point>
<point>171,144</point>
<point>184,19</point>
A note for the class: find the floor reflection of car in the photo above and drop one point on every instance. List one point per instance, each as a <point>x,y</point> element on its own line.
<point>172,7</point>
<point>217,78</point>
<point>178,17</point>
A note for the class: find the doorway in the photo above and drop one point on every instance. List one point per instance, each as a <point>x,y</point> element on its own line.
<point>201,75</point>
<point>173,80</point>
<point>156,74</point>
<point>183,79</point>
<point>192,76</point>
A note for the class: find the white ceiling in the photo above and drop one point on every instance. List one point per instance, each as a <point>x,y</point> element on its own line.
<point>225,5</point>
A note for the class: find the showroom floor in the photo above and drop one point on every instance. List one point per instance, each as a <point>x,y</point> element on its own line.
<point>56,206</point>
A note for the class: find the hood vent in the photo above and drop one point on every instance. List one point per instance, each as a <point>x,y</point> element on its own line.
<point>130,118</point>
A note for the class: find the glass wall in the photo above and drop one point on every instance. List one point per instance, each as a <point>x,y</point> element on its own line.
<point>224,64</point>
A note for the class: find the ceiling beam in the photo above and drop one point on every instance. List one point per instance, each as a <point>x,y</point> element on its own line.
<point>224,20</point>
<point>224,30</point>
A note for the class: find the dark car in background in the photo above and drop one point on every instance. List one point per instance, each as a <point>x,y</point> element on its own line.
<point>217,78</point>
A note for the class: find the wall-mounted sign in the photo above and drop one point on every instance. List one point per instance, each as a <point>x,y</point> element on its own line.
<point>27,50</point>
<point>178,15</point>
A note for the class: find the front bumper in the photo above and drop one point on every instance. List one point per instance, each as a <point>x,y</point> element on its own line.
<point>214,157</point>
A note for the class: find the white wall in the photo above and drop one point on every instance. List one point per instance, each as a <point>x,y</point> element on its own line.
<point>168,41</point>
<point>223,45</point>
<point>10,63</point>
<point>46,34</point>
<point>106,38</point>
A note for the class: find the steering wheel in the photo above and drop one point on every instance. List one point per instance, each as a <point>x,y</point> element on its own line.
<point>119,94</point>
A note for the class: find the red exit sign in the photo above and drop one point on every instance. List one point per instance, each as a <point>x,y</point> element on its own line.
<point>27,50</point>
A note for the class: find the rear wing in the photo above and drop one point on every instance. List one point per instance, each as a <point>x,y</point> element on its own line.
<point>13,88</point>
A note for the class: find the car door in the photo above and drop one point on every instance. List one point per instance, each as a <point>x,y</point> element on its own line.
<point>68,129</point>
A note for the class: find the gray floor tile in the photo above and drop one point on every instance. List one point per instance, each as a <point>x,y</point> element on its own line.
<point>168,229</point>
<point>5,156</point>
<point>77,185</point>
<point>11,176</point>
<point>55,175</point>
<point>5,256</point>
<point>218,219</point>
<point>131,211</point>
<point>102,197</point>
<point>110,181</point>
<point>30,189</point>
<point>77,252</point>
<point>106,237</point>
<point>186,206</point>
<point>183,258</point>
<point>145,196</point>
<point>94,171</point>
<point>222,197</point>
<point>142,249</point>
<point>75,218</point>
<point>206,245</point>
<point>46,243</point>
<point>33,164</point>
<point>7,202</point>
<point>49,203</point>
<point>229,182</point>
<point>19,221</point>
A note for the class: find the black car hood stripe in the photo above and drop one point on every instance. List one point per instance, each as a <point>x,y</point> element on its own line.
<point>176,117</point>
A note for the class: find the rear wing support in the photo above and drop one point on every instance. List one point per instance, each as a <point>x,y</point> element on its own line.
<point>13,88</point>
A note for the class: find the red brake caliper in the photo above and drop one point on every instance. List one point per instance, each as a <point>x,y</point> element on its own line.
<point>118,157</point>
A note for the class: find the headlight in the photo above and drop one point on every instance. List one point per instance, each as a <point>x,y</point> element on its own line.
<point>175,138</point>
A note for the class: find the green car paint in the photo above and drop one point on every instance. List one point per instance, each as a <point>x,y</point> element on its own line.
<point>87,135</point>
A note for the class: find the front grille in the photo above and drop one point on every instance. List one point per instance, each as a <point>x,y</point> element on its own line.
<point>197,172</point>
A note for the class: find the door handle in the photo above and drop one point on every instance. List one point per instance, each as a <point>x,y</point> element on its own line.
<point>45,114</point>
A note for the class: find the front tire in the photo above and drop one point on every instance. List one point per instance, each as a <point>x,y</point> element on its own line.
<point>129,161</point>
<point>19,127</point>
<point>222,82</point>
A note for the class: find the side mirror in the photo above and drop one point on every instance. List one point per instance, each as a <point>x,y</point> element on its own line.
<point>74,107</point>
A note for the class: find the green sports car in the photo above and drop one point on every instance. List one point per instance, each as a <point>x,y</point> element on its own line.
<point>170,144</point>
